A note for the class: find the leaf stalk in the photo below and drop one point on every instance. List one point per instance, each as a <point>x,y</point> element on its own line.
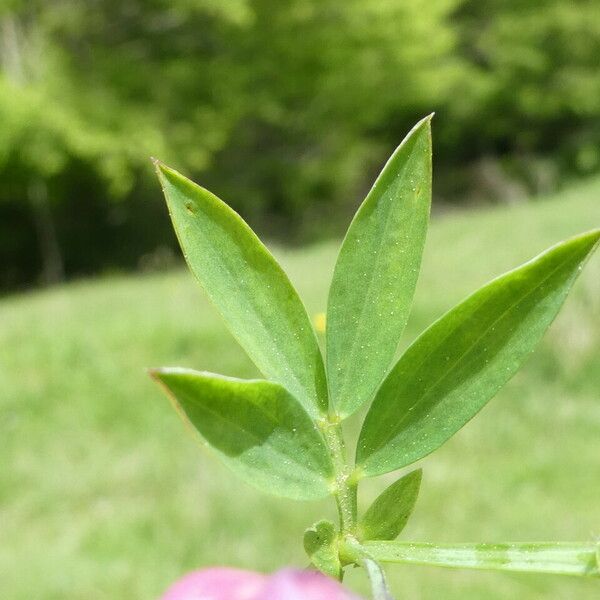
<point>559,558</point>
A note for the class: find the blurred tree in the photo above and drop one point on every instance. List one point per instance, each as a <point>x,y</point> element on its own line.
<point>102,86</point>
<point>286,108</point>
<point>532,87</point>
<point>297,90</point>
<point>330,88</point>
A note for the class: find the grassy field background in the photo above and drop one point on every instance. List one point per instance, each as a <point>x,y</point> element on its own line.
<point>103,494</point>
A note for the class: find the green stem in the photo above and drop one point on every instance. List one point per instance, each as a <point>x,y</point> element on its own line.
<point>345,484</point>
<point>561,558</point>
<point>376,575</point>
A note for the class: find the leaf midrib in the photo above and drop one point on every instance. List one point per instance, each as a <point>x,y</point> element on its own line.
<point>261,317</point>
<point>255,437</point>
<point>432,387</point>
<point>361,320</point>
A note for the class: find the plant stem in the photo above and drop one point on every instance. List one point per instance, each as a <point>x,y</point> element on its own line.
<point>379,586</point>
<point>345,484</point>
<point>561,558</point>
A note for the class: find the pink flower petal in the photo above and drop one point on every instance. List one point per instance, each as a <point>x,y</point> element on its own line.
<point>217,584</point>
<point>290,584</point>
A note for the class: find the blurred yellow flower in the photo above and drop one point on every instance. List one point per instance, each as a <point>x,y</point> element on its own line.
<point>320,322</point>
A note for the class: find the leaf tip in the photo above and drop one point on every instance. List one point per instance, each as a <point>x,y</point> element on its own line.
<point>157,374</point>
<point>424,123</point>
<point>154,373</point>
<point>594,234</point>
<point>166,173</point>
<point>157,164</point>
<point>161,376</point>
<point>164,375</point>
<point>587,241</point>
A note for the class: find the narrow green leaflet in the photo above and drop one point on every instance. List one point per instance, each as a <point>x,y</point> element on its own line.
<point>559,558</point>
<point>321,545</point>
<point>376,273</point>
<point>388,515</point>
<point>249,288</point>
<point>464,358</point>
<point>259,430</point>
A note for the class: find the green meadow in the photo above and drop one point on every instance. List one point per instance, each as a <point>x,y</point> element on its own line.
<point>104,494</point>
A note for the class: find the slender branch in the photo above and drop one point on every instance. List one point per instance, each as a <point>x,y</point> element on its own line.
<point>561,558</point>
<point>379,586</point>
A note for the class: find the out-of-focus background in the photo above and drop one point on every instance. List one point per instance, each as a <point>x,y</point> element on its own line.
<point>287,109</point>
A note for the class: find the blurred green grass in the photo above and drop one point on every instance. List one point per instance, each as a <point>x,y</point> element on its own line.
<point>103,494</point>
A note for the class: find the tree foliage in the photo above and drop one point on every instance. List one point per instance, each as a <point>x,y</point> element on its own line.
<point>285,107</point>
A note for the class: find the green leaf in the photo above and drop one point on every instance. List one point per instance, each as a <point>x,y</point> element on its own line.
<point>559,558</point>
<point>376,273</point>
<point>464,358</point>
<point>321,545</point>
<point>259,430</point>
<point>388,515</point>
<point>256,299</point>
